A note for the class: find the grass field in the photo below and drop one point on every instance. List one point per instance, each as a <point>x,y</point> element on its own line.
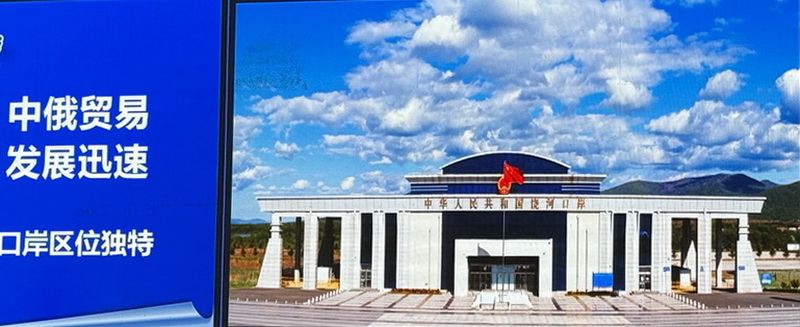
<point>245,266</point>
<point>782,280</point>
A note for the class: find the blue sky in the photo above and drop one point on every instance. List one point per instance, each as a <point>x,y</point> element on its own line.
<point>348,97</point>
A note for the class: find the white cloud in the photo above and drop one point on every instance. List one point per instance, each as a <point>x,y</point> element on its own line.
<point>489,75</point>
<point>379,182</point>
<point>255,173</point>
<point>713,122</point>
<point>246,128</point>
<point>712,134</point>
<point>300,184</point>
<point>244,159</point>
<point>467,143</point>
<point>384,161</point>
<point>285,150</point>
<point>371,182</point>
<point>626,95</point>
<point>789,85</point>
<point>675,123</point>
<point>603,143</point>
<point>722,85</point>
<point>319,108</point>
<point>409,119</point>
<point>371,32</point>
<point>247,167</point>
<point>689,3</point>
<point>510,57</point>
<point>411,148</point>
<point>441,30</point>
<point>347,183</point>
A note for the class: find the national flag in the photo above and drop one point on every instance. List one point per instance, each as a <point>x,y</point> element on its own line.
<point>511,175</point>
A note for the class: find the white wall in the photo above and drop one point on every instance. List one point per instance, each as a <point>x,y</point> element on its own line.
<point>591,203</point>
<point>584,250</point>
<point>533,248</point>
<point>661,270</point>
<point>310,246</point>
<point>419,250</point>
<point>631,251</point>
<point>350,264</point>
<point>378,249</point>
<point>605,241</point>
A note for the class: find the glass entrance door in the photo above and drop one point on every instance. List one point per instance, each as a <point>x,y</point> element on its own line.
<point>511,273</point>
<point>502,278</point>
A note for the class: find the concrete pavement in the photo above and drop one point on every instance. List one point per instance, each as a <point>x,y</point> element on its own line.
<point>263,314</point>
<point>372,308</point>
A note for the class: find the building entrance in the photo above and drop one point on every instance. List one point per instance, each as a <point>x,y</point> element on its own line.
<point>511,273</point>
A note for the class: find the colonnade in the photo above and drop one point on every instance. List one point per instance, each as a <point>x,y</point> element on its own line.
<point>600,261</point>
<point>350,250</point>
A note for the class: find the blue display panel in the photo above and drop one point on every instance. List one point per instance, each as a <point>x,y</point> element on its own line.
<point>602,280</point>
<point>113,175</point>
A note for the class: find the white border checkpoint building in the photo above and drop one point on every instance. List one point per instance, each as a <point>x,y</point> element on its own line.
<point>553,233</point>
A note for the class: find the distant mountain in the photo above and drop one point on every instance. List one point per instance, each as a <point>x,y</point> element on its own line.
<point>770,184</point>
<point>239,221</point>
<point>783,201</point>
<point>719,185</point>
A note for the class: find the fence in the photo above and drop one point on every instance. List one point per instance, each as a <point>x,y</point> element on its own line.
<point>324,296</point>
<point>686,300</point>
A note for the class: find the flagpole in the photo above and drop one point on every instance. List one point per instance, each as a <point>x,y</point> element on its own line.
<point>511,175</point>
<point>503,258</point>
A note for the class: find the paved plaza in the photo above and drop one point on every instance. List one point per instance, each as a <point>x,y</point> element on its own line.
<point>268,314</point>
<point>373,308</point>
<point>559,302</point>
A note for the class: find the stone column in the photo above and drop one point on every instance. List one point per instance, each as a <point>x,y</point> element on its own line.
<point>546,271</point>
<point>378,249</point>
<point>270,276</point>
<point>747,279</point>
<point>632,251</point>
<point>605,241</point>
<point>404,259</point>
<point>350,263</point>
<point>704,254</point>
<point>310,245</point>
<point>667,221</point>
<point>659,259</point>
<point>718,252</point>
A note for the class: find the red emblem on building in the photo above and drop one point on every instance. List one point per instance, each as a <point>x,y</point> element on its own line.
<point>511,175</point>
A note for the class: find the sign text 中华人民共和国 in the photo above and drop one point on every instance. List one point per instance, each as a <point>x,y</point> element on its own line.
<point>504,203</point>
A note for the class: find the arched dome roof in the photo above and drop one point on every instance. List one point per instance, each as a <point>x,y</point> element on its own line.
<point>492,163</point>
